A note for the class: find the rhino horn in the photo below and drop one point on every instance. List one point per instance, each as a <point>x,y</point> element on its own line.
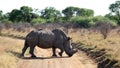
<point>75,50</point>
<point>72,52</point>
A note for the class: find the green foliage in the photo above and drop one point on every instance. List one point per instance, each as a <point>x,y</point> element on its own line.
<point>87,22</point>
<point>38,20</point>
<point>26,12</point>
<point>99,18</point>
<point>0,14</point>
<point>16,15</point>
<point>70,12</point>
<point>50,14</point>
<point>103,19</point>
<point>81,16</point>
<point>83,21</point>
<point>6,21</point>
<point>4,18</point>
<point>110,16</point>
<point>85,12</point>
<point>23,15</point>
<point>115,9</point>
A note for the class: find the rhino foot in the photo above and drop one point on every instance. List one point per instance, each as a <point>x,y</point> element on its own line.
<point>70,55</point>
<point>54,55</point>
<point>60,54</point>
<point>33,56</point>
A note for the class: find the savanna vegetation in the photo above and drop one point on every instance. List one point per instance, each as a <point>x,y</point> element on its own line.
<point>90,33</point>
<point>73,15</point>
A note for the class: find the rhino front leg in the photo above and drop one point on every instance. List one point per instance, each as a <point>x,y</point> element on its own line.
<point>32,52</point>
<point>54,51</point>
<point>61,52</point>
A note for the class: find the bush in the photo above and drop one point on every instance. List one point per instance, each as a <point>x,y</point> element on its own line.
<point>104,19</point>
<point>6,21</point>
<point>85,22</point>
<point>38,21</point>
<point>104,28</point>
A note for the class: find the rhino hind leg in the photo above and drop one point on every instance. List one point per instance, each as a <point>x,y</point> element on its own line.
<point>54,51</point>
<point>32,52</point>
<point>24,49</point>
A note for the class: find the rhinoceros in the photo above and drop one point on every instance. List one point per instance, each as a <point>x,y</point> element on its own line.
<point>55,38</point>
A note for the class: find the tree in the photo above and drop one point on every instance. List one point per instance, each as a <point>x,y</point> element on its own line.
<point>85,12</point>
<point>5,18</point>
<point>25,14</point>
<point>70,12</point>
<point>26,11</point>
<point>115,10</point>
<point>50,14</point>
<point>16,15</point>
<point>0,14</point>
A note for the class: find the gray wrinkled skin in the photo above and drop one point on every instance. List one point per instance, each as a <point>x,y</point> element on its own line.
<point>48,39</point>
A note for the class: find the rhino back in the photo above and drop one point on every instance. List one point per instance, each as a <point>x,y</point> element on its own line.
<point>32,38</point>
<point>46,39</point>
<point>60,36</point>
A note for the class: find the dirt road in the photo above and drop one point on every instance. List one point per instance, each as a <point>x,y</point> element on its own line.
<point>44,60</point>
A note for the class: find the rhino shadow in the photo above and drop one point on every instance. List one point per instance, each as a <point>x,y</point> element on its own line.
<point>45,57</point>
<point>17,54</point>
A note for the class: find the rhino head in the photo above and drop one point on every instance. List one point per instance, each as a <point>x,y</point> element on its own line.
<point>68,48</point>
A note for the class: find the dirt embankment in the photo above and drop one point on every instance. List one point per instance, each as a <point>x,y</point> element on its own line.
<point>100,55</point>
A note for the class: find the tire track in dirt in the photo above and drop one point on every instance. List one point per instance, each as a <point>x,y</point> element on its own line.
<point>44,60</point>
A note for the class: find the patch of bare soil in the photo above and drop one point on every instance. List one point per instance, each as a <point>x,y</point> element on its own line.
<point>44,60</point>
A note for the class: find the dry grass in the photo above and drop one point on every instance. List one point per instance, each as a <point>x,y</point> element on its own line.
<point>14,33</point>
<point>85,36</point>
<point>90,38</point>
<point>10,50</point>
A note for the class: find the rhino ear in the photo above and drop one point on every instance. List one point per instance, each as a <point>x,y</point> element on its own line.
<point>69,38</point>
